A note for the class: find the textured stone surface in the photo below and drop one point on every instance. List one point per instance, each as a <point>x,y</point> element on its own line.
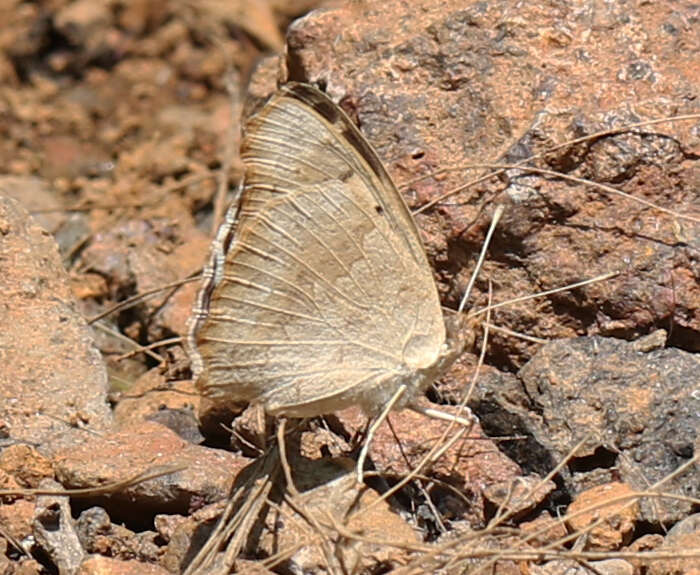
<point>206,474</point>
<point>99,535</point>
<point>54,530</point>
<point>152,398</point>
<point>607,514</point>
<point>100,565</point>
<point>518,497</point>
<point>53,383</point>
<point>635,411</point>
<point>684,537</point>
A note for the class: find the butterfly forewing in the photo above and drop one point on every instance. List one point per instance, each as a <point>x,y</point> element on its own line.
<point>325,297</point>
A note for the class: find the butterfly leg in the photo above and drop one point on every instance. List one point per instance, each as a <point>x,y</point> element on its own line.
<point>372,430</point>
<point>437,414</point>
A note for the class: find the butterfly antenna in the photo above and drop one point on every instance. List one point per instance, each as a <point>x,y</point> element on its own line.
<point>498,212</point>
<point>568,287</point>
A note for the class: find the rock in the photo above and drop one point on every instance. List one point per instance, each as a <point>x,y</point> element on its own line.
<point>542,530</point>
<point>469,465</point>
<point>5,565</point>
<point>518,497</point>
<point>21,467</point>
<point>54,530</point>
<point>647,542</point>
<point>81,19</point>
<point>53,385</point>
<point>504,410</point>
<point>129,105</point>
<point>185,535</point>
<point>682,538</point>
<point>206,475</point>
<point>16,520</point>
<point>100,565</point>
<point>89,29</point>
<point>612,567</point>
<point>25,464</point>
<point>28,566</point>
<point>152,398</point>
<point>163,257</point>
<point>66,156</point>
<point>610,511</point>
<point>635,410</point>
<point>357,511</point>
<point>571,567</point>
<point>35,194</point>
<point>99,535</point>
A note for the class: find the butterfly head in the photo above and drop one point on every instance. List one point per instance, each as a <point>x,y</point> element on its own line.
<point>461,332</point>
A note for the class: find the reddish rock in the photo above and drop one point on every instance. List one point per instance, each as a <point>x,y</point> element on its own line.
<point>28,566</point>
<point>9,483</point>
<point>206,474</point>
<point>152,394</point>
<point>186,534</point>
<point>66,156</point>
<point>470,464</point>
<point>619,518</point>
<point>16,518</point>
<point>81,19</point>
<point>542,530</point>
<point>99,565</point>
<point>127,101</point>
<point>53,387</point>
<point>518,497</point>
<point>472,459</point>
<point>163,258</point>
<point>684,537</point>
<point>4,559</point>
<point>35,195</point>
<point>646,543</point>
<point>25,464</point>
<point>98,535</point>
<point>89,286</point>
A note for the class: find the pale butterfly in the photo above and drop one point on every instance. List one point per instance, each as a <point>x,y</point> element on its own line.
<point>318,294</point>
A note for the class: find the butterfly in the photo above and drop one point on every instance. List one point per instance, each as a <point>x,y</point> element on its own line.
<point>318,294</point>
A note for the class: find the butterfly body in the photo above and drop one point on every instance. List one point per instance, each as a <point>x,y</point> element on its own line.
<point>318,295</point>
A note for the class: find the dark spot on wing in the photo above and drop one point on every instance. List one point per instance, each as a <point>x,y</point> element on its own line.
<point>379,210</point>
<point>346,175</point>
